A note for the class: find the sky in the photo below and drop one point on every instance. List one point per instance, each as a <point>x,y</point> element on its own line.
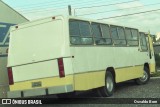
<point>105,10</point>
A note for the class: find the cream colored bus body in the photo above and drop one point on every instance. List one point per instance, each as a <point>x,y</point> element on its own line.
<point>35,48</point>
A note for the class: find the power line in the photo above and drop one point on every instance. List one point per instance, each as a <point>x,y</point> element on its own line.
<point>42,3</point>
<point>93,2</point>
<point>37,11</point>
<point>41,6</point>
<point>130,14</point>
<point>117,9</point>
<point>104,5</point>
<point>44,8</point>
<point>51,3</point>
<point>50,10</point>
<point>108,4</point>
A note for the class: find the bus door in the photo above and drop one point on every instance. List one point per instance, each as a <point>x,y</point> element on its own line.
<point>151,54</point>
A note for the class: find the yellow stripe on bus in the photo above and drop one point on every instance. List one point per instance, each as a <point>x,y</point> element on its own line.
<point>83,81</point>
<point>89,80</point>
<point>46,82</point>
<point>128,73</point>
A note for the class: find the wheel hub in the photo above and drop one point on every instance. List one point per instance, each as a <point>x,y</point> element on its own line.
<point>109,83</point>
<point>144,77</point>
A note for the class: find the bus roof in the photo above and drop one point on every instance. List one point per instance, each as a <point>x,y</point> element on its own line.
<point>62,17</point>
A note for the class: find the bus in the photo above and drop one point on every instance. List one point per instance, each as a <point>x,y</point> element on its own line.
<point>65,54</point>
<point>4,40</point>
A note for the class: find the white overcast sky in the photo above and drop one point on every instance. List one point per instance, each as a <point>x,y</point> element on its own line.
<point>35,9</point>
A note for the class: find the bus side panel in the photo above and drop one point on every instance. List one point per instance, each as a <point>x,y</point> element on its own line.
<point>90,64</point>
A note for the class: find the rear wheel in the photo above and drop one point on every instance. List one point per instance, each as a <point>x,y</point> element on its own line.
<point>109,87</point>
<point>145,78</point>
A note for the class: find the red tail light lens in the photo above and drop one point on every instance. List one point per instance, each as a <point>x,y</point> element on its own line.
<point>61,67</point>
<point>10,76</point>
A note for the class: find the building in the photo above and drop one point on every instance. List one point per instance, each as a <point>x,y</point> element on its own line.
<point>8,17</point>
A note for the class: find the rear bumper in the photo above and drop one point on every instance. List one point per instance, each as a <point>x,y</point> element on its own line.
<point>40,91</point>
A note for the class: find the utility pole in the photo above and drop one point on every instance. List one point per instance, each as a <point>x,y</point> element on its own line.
<point>70,10</point>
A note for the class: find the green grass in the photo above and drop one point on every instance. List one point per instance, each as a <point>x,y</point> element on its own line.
<point>157,74</point>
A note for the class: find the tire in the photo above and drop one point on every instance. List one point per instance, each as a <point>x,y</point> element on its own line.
<point>145,78</point>
<point>109,87</point>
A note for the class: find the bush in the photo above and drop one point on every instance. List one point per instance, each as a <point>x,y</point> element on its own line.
<point>157,59</point>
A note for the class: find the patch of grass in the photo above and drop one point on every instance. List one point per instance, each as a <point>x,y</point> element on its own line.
<point>157,74</point>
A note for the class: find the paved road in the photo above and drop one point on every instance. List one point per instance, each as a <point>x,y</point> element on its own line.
<point>123,90</point>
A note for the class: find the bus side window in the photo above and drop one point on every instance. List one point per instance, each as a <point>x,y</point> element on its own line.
<point>128,34</point>
<point>97,33</point>
<point>114,32</point>
<point>132,36</point>
<point>106,34</point>
<point>121,34</point>
<point>74,32</point>
<point>143,42</point>
<point>101,34</point>
<point>118,35</point>
<point>85,32</point>
<point>80,33</point>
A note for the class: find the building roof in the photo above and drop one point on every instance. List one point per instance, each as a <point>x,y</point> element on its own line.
<point>8,14</point>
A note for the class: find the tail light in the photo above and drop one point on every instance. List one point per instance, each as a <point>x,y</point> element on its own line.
<point>10,76</point>
<point>61,67</point>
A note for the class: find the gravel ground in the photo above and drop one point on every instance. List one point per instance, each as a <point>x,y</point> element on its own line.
<point>123,90</point>
<point>131,90</point>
